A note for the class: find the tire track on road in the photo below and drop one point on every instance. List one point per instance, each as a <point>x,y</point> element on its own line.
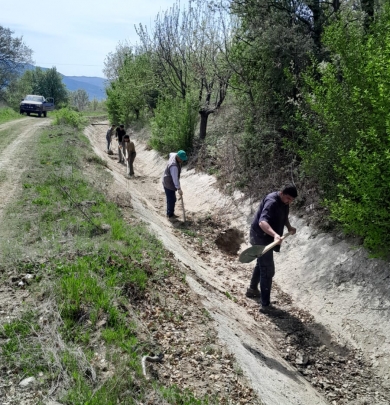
<point>13,156</point>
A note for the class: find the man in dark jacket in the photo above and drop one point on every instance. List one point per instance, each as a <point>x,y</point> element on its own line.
<point>171,180</point>
<point>130,153</point>
<point>267,226</point>
<point>109,135</point>
<point>120,133</point>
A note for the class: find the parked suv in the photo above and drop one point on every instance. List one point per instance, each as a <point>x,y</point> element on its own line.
<point>37,105</point>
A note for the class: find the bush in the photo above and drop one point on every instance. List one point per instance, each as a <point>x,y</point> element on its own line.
<point>8,114</point>
<point>348,141</point>
<point>173,126</point>
<point>69,117</point>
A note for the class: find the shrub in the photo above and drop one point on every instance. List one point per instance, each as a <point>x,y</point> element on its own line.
<point>348,141</point>
<point>8,114</point>
<point>173,126</point>
<point>69,117</point>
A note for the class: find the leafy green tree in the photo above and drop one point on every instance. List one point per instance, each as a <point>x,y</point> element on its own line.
<point>13,55</point>
<point>49,83</point>
<point>94,104</point>
<point>347,126</point>
<point>173,125</point>
<point>133,90</point>
<point>18,89</point>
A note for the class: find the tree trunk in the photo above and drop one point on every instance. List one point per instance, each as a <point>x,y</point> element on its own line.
<point>317,24</point>
<point>204,116</point>
<point>368,8</point>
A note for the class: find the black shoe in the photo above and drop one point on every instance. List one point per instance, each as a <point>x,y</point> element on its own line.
<point>252,293</point>
<point>266,309</point>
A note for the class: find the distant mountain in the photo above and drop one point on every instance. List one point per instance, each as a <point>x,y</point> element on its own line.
<point>94,86</point>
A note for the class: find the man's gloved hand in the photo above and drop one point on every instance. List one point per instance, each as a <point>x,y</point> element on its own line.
<point>180,191</point>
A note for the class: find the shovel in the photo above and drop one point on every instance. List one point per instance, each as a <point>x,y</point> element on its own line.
<point>255,251</point>
<point>182,206</point>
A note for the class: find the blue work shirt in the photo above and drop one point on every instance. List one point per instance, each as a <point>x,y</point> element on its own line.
<point>273,211</point>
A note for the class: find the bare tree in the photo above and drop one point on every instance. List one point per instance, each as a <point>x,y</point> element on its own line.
<point>13,55</point>
<point>189,47</point>
<point>115,60</point>
<point>79,99</point>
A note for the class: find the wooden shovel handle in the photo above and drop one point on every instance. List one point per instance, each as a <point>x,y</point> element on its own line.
<point>273,244</point>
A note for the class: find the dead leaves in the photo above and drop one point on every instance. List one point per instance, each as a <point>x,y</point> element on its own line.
<point>193,357</point>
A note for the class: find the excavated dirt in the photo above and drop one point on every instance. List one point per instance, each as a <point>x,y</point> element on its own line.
<point>230,241</point>
<point>300,353</point>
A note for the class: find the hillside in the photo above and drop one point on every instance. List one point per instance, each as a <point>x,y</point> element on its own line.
<point>94,86</point>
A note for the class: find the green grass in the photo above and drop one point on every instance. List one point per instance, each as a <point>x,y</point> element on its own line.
<point>8,114</point>
<point>3,176</point>
<point>21,350</point>
<point>189,232</point>
<point>102,265</point>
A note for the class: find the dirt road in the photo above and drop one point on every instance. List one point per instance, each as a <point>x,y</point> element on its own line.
<point>289,357</point>
<point>14,155</point>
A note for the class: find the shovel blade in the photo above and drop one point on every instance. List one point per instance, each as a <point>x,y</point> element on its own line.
<point>250,254</point>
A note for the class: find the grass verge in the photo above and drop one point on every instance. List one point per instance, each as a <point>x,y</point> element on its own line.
<point>8,114</point>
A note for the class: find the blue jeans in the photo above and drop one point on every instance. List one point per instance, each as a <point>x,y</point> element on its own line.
<point>108,142</point>
<point>263,274</point>
<point>171,201</point>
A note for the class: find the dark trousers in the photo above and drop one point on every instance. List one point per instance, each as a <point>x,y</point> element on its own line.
<point>108,142</point>
<point>171,201</point>
<point>121,151</point>
<point>131,161</point>
<point>263,274</point>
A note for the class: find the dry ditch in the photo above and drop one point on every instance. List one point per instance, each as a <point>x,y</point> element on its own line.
<point>342,373</point>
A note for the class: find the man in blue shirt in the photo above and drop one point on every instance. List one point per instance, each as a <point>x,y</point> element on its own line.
<point>267,226</point>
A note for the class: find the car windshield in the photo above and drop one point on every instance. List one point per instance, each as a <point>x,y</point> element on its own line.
<point>34,98</point>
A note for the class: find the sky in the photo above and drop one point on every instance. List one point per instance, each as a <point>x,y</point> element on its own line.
<point>76,36</point>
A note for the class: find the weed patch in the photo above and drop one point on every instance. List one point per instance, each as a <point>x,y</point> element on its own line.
<point>20,348</point>
<point>8,114</point>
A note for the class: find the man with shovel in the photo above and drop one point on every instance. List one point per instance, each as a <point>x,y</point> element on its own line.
<point>267,227</point>
<point>109,135</point>
<point>130,154</point>
<point>171,181</point>
<point>120,133</point>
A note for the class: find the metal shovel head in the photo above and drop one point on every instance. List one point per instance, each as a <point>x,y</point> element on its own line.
<point>250,254</point>
<point>256,251</point>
